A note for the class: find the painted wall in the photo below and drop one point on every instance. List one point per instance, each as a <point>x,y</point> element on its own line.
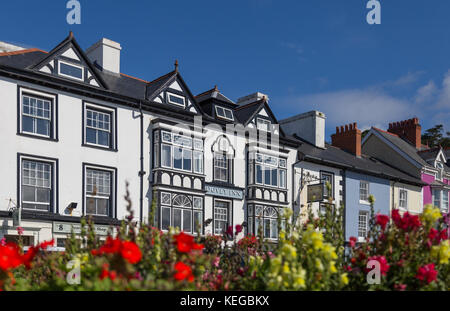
<point>427,195</point>
<point>415,204</point>
<point>301,199</point>
<point>379,188</point>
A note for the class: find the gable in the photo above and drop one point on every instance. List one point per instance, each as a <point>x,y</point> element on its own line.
<point>174,93</point>
<point>263,115</point>
<point>68,61</point>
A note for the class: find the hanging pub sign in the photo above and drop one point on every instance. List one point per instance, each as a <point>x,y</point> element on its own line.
<point>16,217</point>
<point>315,193</point>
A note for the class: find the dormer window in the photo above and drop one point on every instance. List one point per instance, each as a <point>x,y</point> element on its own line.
<point>176,100</point>
<point>264,125</point>
<point>224,113</point>
<point>71,71</point>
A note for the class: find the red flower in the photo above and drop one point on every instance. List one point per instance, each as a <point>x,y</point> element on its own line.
<point>407,222</point>
<point>184,272</point>
<point>400,287</point>
<point>10,257</point>
<point>384,266</point>
<point>229,231</point>
<point>126,249</point>
<point>131,252</point>
<point>382,220</point>
<point>433,234</point>
<point>352,241</point>
<point>427,273</point>
<point>238,229</point>
<point>185,243</point>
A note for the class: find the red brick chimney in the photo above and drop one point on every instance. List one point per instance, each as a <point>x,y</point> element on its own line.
<point>348,137</point>
<point>409,130</point>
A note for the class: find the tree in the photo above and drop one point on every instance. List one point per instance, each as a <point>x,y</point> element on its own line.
<point>434,137</point>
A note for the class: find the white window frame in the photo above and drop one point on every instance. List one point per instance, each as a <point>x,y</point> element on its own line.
<point>400,191</point>
<point>112,125</point>
<point>366,227</point>
<point>364,200</point>
<point>53,178</point>
<point>191,148</point>
<point>228,214</point>
<point>445,203</point>
<point>178,96</point>
<point>226,168</point>
<point>113,189</point>
<point>224,114</point>
<point>69,76</point>
<point>280,166</point>
<point>263,121</point>
<point>53,111</point>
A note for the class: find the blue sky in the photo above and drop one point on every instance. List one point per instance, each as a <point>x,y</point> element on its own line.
<point>304,54</point>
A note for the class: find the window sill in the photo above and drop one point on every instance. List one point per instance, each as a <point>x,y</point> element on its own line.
<point>100,148</point>
<point>364,202</point>
<point>37,137</point>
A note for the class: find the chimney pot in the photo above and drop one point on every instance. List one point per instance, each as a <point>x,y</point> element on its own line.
<point>349,140</point>
<point>409,130</point>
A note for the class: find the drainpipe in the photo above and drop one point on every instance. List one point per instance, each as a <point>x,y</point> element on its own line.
<point>393,196</point>
<point>141,172</point>
<point>300,159</point>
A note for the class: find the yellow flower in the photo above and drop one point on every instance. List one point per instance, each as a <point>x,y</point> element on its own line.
<point>333,267</point>
<point>442,252</point>
<point>344,279</point>
<point>286,268</point>
<point>289,251</point>
<point>288,213</point>
<point>319,265</point>
<point>431,214</point>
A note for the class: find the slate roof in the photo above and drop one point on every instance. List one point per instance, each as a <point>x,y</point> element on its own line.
<point>429,154</point>
<point>337,157</point>
<point>214,93</point>
<point>246,112</point>
<point>403,145</point>
<point>22,59</point>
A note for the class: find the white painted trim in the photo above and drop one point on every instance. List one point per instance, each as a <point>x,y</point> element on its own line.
<point>178,96</point>
<point>68,76</point>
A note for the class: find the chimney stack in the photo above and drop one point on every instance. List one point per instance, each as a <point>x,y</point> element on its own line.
<point>348,138</point>
<point>309,126</point>
<point>252,98</point>
<point>409,130</point>
<point>106,53</point>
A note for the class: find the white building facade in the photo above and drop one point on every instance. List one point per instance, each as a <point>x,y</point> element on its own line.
<point>74,130</point>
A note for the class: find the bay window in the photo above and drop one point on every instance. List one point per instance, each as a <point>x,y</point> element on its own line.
<point>181,152</point>
<point>263,218</point>
<point>270,171</point>
<point>181,211</point>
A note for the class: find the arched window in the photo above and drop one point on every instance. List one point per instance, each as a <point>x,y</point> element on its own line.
<point>181,211</point>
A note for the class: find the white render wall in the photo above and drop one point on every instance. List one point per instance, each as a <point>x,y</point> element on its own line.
<point>314,170</point>
<point>71,155</point>
<point>69,150</point>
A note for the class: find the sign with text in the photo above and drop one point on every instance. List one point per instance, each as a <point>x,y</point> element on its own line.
<point>315,193</point>
<point>66,228</point>
<point>224,192</point>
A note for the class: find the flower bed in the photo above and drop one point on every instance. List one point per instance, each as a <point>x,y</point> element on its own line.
<point>410,253</point>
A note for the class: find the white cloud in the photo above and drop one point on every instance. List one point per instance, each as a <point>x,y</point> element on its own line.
<point>444,96</point>
<point>426,93</point>
<point>365,106</point>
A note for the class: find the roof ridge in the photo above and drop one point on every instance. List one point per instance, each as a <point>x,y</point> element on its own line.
<point>206,92</point>
<point>249,104</point>
<point>22,52</point>
<point>162,77</point>
<point>131,77</point>
<point>385,131</point>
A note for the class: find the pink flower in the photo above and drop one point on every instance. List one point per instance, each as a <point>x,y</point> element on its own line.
<point>384,266</point>
<point>427,273</point>
<point>216,262</point>
<point>352,241</point>
<point>20,230</point>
